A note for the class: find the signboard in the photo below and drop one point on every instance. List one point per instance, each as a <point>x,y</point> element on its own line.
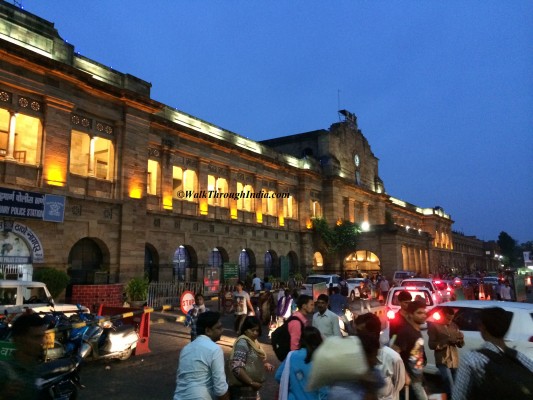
<point>186,301</point>
<point>6,350</point>
<point>211,280</point>
<point>31,205</point>
<point>231,271</point>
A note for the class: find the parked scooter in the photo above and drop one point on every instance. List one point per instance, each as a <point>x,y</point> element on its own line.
<point>60,379</point>
<point>109,340</point>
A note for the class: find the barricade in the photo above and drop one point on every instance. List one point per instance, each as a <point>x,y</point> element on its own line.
<point>138,317</point>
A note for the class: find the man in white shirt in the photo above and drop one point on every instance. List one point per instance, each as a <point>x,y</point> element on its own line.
<point>326,321</point>
<point>201,365</point>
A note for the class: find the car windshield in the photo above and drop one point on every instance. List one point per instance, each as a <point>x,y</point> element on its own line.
<point>417,284</point>
<point>312,280</point>
<point>416,295</point>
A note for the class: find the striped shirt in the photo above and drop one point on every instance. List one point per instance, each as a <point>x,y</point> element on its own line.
<point>472,370</point>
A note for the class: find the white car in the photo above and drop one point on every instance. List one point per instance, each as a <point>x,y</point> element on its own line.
<point>331,280</point>
<point>438,296</point>
<point>392,305</point>
<point>352,284</point>
<point>16,296</point>
<point>519,336</point>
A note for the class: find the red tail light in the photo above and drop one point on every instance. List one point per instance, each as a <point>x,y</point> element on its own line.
<point>436,316</point>
<point>391,314</point>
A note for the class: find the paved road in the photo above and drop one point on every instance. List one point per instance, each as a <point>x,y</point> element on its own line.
<point>153,376</point>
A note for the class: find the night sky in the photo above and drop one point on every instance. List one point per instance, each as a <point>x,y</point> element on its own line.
<point>443,90</point>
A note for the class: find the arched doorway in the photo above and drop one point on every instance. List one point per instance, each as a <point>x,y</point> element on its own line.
<point>185,264</point>
<point>246,263</point>
<point>293,263</point>
<point>318,261</point>
<point>151,262</point>
<point>88,262</point>
<point>361,261</point>
<point>15,257</point>
<point>271,264</point>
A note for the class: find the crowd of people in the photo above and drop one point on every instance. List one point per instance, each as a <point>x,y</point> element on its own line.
<point>395,369</point>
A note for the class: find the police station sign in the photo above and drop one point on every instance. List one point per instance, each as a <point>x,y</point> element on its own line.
<point>22,204</point>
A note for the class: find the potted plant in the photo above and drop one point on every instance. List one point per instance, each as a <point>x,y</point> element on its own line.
<point>137,291</point>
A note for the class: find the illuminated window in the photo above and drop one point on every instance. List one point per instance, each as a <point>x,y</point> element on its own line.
<point>20,137</point>
<point>184,184</point>
<point>316,210</point>
<point>152,177</point>
<point>91,156</point>
<point>289,207</point>
<point>245,202</point>
<point>270,203</point>
<point>217,187</point>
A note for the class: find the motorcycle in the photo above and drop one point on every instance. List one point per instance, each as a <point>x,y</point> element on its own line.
<point>109,340</point>
<point>68,338</point>
<point>59,379</point>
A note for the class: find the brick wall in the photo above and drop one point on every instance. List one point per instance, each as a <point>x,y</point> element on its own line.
<point>92,296</point>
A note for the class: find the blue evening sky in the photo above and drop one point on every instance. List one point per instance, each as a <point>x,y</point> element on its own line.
<point>443,90</point>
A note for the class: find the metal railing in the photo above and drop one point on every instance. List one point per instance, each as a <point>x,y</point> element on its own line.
<point>169,293</point>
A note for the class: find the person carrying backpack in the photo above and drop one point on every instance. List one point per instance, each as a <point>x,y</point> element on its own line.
<point>287,337</point>
<point>494,371</point>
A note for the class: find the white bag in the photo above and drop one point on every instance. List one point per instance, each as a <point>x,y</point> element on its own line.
<point>337,359</point>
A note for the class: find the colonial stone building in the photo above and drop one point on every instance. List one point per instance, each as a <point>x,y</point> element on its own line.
<point>141,187</point>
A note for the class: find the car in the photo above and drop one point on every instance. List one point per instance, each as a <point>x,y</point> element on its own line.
<point>392,305</point>
<point>428,283</point>
<point>446,288</point>
<point>519,336</point>
<point>399,276</point>
<point>352,284</point>
<point>17,296</point>
<point>331,280</point>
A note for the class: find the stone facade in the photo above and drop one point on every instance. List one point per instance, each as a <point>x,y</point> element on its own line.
<point>125,163</point>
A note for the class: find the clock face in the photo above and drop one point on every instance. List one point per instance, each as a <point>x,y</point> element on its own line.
<point>356,160</point>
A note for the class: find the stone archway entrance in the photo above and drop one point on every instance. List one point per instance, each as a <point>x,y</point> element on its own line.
<point>361,262</point>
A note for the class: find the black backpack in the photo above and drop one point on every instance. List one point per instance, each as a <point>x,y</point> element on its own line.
<point>505,377</point>
<point>281,338</point>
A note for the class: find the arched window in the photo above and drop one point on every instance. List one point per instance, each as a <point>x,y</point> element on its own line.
<point>215,258</point>
<point>85,258</point>
<point>268,264</point>
<point>244,264</point>
<point>180,263</point>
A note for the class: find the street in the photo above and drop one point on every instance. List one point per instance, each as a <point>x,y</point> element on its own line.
<point>153,376</point>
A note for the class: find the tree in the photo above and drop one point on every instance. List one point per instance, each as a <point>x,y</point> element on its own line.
<point>508,247</point>
<point>338,241</point>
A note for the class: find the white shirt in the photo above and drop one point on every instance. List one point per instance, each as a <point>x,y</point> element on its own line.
<point>390,364</point>
<point>327,323</point>
<point>201,371</point>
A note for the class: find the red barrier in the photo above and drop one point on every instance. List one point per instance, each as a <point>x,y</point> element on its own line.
<point>132,316</point>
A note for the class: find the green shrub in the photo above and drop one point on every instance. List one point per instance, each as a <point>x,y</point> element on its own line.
<point>137,289</point>
<point>56,280</point>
